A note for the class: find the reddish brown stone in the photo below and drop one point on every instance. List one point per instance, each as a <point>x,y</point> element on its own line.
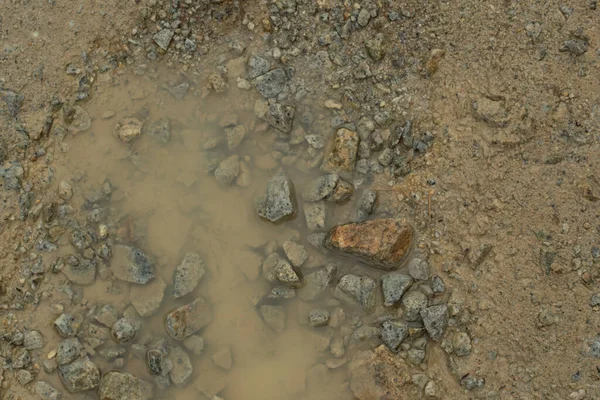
<point>381,243</point>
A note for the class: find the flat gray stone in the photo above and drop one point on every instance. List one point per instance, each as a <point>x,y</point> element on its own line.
<point>394,285</point>
<point>188,274</point>
<point>257,66</point>
<point>68,351</point>
<point>33,340</point>
<point>163,38</point>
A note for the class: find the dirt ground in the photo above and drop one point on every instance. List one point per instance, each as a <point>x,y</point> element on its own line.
<point>504,95</point>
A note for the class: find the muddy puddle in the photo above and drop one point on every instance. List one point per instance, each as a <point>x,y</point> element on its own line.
<point>157,194</point>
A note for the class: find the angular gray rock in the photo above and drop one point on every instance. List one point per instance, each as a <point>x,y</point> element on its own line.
<point>418,269</point>
<point>82,272</point>
<point>46,391</point>
<point>188,274</point>
<point>278,204</point>
<point>182,366</point>
<point>235,135</point>
<point>435,320</point>
<point>68,351</point>
<point>321,187</point>
<point>80,376</point>
<point>106,315</point>
<point>123,330</point>
<point>360,290</point>
<point>228,170</point>
<point>280,117</point>
<point>315,215</point>
<point>364,206</point>
<point>163,38</point>
<point>413,303</point>
<point>147,299</point>
<point>123,386</point>
<point>257,66</point>
<point>317,282</point>
<point>271,83</point>
<point>276,269</point>
<point>33,340</point>
<point>295,252</point>
<point>130,264</point>
<point>394,285</point>
<point>68,325</point>
<point>437,284</point>
<point>393,334</point>
<point>188,319</point>
<point>274,317</point>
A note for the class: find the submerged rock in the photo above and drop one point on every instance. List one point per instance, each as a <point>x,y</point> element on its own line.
<point>128,129</point>
<point>80,376</point>
<point>228,170</point>
<point>123,386</point>
<point>274,317</point>
<point>146,299</point>
<point>189,319</point>
<point>182,366</point>
<point>317,282</point>
<point>132,265</point>
<point>381,243</point>
<point>188,274</point>
<point>279,202</point>
<point>280,117</point>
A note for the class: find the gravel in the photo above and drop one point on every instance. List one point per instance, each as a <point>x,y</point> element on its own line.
<point>163,38</point>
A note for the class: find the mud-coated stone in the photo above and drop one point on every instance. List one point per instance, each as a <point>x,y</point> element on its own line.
<point>188,274</point>
<point>280,117</point>
<point>68,325</point>
<point>378,374</point>
<point>123,386</point>
<point>278,204</point>
<point>132,265</point>
<point>274,317</point>
<point>146,299</point>
<point>276,269</point>
<point>80,376</point>
<point>182,366</point>
<point>46,391</point>
<point>228,170</point>
<point>189,319</point>
<point>360,290</point>
<point>381,243</point>
<point>315,215</point>
<point>128,129</point>
<point>342,155</point>
<point>317,282</point>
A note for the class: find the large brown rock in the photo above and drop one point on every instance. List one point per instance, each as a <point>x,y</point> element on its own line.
<point>381,243</point>
<point>378,374</point>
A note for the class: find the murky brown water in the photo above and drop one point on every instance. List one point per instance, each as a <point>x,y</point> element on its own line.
<point>167,190</point>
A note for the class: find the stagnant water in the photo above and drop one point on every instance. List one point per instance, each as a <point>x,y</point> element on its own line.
<point>164,188</point>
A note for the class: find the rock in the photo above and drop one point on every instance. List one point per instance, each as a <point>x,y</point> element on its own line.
<point>228,170</point>
<point>282,292</point>
<point>271,83</point>
<point>257,66</point>
<point>364,206</point>
<point>123,386</point>
<point>279,202</point>
<point>320,188</point>
<point>295,252</point>
<point>274,317</point>
<point>595,300</point>
<point>80,376</point>
<point>65,191</point>
<point>189,319</point>
<point>315,216</point>
<point>179,91</point>
<point>157,361</point>
<point>218,82</point>
<point>222,358</point>
<point>342,155</point>
<point>276,269</point>
<point>21,358</point>
<point>342,193</point>
<point>393,334</point>
<point>413,303</point>
<point>80,239</point>
<point>235,136</point>
<point>360,290</point>
<point>96,335</point>
<point>128,129</point>
<point>461,344</point>
<point>416,356</point>
<point>114,352</point>
<point>163,38</point>
<point>68,351</point>
<point>188,274</point>
<point>123,330</point>
<point>24,376</point>
<point>394,285</point>
<point>33,340</point>
<point>280,117</point>
<point>364,16</point>
<point>131,264</point>
<point>83,272</point>
<point>46,391</point>
<point>381,243</point>
<point>375,47</point>
<point>182,366</point>
<point>435,320</point>
<point>12,176</point>
<point>161,130</point>
<point>68,325</point>
<point>195,344</point>
<point>14,101</point>
<point>576,46</point>
<point>318,317</point>
<point>107,315</point>
<point>146,299</point>
<point>418,269</point>
<point>317,282</point>
<point>378,374</point>
<point>437,284</point>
